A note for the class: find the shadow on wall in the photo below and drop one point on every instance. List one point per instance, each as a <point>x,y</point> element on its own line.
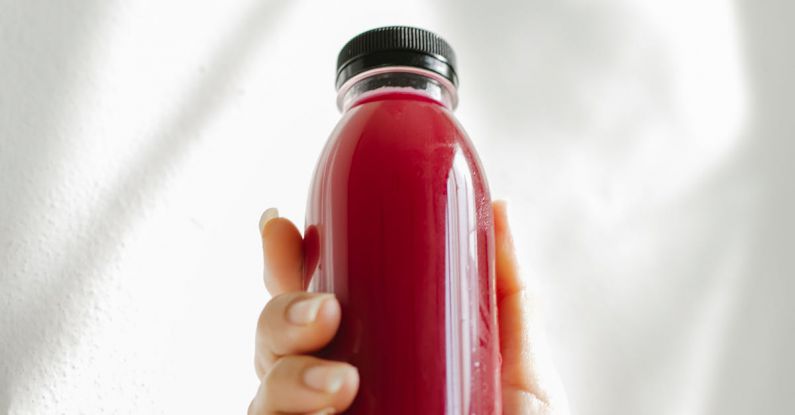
<point>755,364</point>
<point>42,47</point>
<point>39,318</point>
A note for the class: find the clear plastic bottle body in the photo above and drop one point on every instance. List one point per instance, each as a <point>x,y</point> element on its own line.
<point>399,226</point>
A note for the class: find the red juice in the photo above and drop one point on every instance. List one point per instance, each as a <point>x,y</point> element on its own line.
<point>399,228</point>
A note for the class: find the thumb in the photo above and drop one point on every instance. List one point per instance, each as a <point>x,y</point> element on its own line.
<point>530,382</point>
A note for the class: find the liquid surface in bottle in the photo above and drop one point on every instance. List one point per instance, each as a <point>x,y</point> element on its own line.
<point>399,227</point>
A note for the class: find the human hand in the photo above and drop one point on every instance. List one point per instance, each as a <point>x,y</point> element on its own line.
<point>296,322</point>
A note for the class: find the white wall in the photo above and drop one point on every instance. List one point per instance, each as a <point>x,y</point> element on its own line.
<point>644,146</point>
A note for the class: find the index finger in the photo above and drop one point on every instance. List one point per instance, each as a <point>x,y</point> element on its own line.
<point>282,249</point>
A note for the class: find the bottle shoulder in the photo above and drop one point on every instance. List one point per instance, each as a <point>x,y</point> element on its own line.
<point>388,135</point>
<point>400,121</point>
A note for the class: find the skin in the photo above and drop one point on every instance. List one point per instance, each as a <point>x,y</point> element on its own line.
<point>296,322</point>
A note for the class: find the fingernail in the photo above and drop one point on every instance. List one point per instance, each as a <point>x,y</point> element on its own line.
<point>267,215</point>
<point>327,378</point>
<point>305,311</point>
<point>325,411</point>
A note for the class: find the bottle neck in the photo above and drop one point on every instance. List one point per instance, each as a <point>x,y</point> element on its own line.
<point>369,85</point>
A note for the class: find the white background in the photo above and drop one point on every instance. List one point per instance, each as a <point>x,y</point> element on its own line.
<point>644,146</point>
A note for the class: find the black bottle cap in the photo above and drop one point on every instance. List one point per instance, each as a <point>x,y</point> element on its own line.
<point>396,46</point>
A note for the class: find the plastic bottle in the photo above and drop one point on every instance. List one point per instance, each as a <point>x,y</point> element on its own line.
<point>399,226</point>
